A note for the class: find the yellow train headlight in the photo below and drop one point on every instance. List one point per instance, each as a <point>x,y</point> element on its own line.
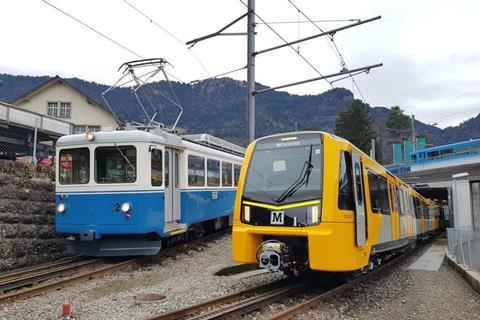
<point>313,215</point>
<point>246,213</point>
<point>61,208</point>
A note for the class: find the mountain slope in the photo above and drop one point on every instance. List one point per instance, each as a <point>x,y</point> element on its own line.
<point>218,107</point>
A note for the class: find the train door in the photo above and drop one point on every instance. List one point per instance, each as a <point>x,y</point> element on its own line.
<point>394,210</point>
<point>360,215</point>
<point>172,190</point>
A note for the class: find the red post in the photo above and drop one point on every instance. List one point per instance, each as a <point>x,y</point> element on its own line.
<point>66,310</point>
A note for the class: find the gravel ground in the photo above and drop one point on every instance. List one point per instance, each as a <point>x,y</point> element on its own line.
<point>184,281</point>
<point>405,294</point>
<point>398,294</point>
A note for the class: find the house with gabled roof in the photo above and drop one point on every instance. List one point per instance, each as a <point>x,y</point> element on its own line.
<point>58,98</point>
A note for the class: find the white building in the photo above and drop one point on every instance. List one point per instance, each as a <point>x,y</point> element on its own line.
<point>57,98</point>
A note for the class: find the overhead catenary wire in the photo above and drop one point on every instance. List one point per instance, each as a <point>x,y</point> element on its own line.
<point>182,43</point>
<point>453,115</point>
<point>124,47</point>
<point>218,75</point>
<point>286,42</point>
<point>308,21</point>
<point>332,45</point>
<point>94,30</point>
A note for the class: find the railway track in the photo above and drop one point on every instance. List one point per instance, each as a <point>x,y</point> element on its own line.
<point>40,282</point>
<point>236,303</point>
<point>33,281</point>
<point>243,302</point>
<point>310,303</point>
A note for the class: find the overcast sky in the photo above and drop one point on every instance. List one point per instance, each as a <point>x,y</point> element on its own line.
<point>430,49</point>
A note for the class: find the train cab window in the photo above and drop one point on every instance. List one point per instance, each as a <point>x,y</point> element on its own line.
<point>116,164</point>
<point>236,174</point>
<point>226,174</point>
<point>157,168</point>
<point>345,188</point>
<point>74,166</point>
<point>167,169</point>
<point>213,173</point>
<point>196,171</point>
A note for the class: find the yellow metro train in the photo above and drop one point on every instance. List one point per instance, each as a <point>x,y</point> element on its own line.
<point>312,200</point>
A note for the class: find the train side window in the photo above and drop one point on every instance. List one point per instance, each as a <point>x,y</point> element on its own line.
<point>74,166</point>
<point>213,173</point>
<point>384,204</point>
<point>345,188</point>
<point>157,167</point>
<point>401,206</point>
<point>226,174</point>
<point>196,171</point>
<point>167,169</point>
<point>416,207</point>
<point>236,174</point>
<point>375,200</point>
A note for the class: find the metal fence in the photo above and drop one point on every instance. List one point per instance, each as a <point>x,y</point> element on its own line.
<point>29,137</point>
<point>464,245</point>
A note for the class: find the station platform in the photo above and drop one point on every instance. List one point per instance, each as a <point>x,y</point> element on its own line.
<point>430,260</point>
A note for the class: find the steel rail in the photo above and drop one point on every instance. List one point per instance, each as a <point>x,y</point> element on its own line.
<point>311,303</point>
<point>36,277</point>
<point>36,290</point>
<point>254,303</point>
<point>46,266</point>
<point>65,282</point>
<point>203,305</point>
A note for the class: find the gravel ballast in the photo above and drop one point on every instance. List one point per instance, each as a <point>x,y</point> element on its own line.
<point>399,293</point>
<point>185,280</point>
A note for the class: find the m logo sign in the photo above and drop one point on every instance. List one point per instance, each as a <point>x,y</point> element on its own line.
<point>276,217</point>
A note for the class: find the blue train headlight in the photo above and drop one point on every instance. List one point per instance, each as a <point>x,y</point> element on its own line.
<point>125,207</point>
<point>61,208</point>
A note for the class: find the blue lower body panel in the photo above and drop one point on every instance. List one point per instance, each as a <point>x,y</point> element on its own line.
<point>101,229</point>
<point>115,247</point>
<point>200,205</point>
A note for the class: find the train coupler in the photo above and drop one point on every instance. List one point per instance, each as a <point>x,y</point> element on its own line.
<point>276,256</point>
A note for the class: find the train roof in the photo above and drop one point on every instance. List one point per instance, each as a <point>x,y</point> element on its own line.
<point>158,136</point>
<point>446,146</point>
<point>155,136</point>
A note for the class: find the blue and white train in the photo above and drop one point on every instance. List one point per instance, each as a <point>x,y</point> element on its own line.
<point>131,192</point>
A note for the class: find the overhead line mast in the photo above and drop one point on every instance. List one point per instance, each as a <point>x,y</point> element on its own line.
<point>251,71</point>
<point>251,54</point>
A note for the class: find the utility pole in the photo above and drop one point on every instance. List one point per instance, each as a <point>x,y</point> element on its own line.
<point>414,136</point>
<point>372,149</point>
<point>251,71</point>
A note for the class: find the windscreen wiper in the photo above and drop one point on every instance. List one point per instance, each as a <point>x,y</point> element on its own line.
<point>301,180</point>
